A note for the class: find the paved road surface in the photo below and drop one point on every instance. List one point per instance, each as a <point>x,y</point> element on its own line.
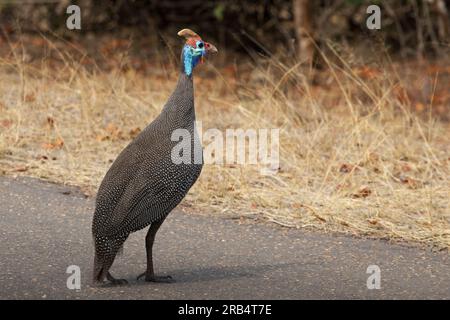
<point>43,230</point>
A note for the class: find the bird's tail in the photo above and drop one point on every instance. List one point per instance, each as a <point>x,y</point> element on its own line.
<point>101,247</point>
<point>99,274</point>
<point>105,252</point>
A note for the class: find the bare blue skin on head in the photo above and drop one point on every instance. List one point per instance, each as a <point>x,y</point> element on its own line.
<point>191,56</point>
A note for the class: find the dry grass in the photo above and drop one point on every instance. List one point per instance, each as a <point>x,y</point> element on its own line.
<point>354,159</point>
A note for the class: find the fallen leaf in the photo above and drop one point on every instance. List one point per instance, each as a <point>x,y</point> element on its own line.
<point>368,72</point>
<point>363,192</point>
<point>20,169</point>
<point>406,167</point>
<point>30,97</point>
<point>134,132</point>
<point>345,224</point>
<point>113,131</point>
<point>100,137</point>
<point>50,122</point>
<point>6,123</point>
<point>411,182</point>
<point>419,107</point>
<point>346,168</point>
<point>57,144</point>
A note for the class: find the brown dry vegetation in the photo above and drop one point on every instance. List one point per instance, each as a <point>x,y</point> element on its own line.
<point>354,157</point>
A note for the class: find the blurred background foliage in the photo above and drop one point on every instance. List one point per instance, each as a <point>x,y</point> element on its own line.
<point>409,27</point>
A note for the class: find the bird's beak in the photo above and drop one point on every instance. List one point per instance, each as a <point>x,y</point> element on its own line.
<point>210,48</point>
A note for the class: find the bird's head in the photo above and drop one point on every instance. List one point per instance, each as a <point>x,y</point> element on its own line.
<point>194,50</point>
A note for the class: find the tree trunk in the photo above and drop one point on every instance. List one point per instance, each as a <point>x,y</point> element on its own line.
<point>304,30</point>
<point>443,25</point>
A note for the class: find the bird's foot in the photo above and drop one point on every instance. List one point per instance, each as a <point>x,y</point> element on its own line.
<point>114,281</point>
<point>150,277</point>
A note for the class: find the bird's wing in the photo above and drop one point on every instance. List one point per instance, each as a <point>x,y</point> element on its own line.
<point>144,201</point>
<point>116,180</point>
<point>123,173</point>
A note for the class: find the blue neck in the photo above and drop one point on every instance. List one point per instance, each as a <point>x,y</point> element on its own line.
<point>189,60</point>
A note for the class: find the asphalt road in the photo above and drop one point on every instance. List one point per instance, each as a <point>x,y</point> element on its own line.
<point>44,228</point>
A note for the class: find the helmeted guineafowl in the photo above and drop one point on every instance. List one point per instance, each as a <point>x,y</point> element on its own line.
<point>144,184</point>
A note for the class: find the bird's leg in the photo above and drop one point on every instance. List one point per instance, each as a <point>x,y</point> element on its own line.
<point>115,281</point>
<point>149,239</point>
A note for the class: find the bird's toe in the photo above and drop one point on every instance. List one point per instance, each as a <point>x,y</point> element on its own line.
<point>153,278</point>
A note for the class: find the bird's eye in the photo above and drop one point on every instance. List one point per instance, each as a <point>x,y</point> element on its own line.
<point>200,45</point>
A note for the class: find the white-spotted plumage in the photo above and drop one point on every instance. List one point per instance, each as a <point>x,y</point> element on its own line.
<point>143,184</point>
